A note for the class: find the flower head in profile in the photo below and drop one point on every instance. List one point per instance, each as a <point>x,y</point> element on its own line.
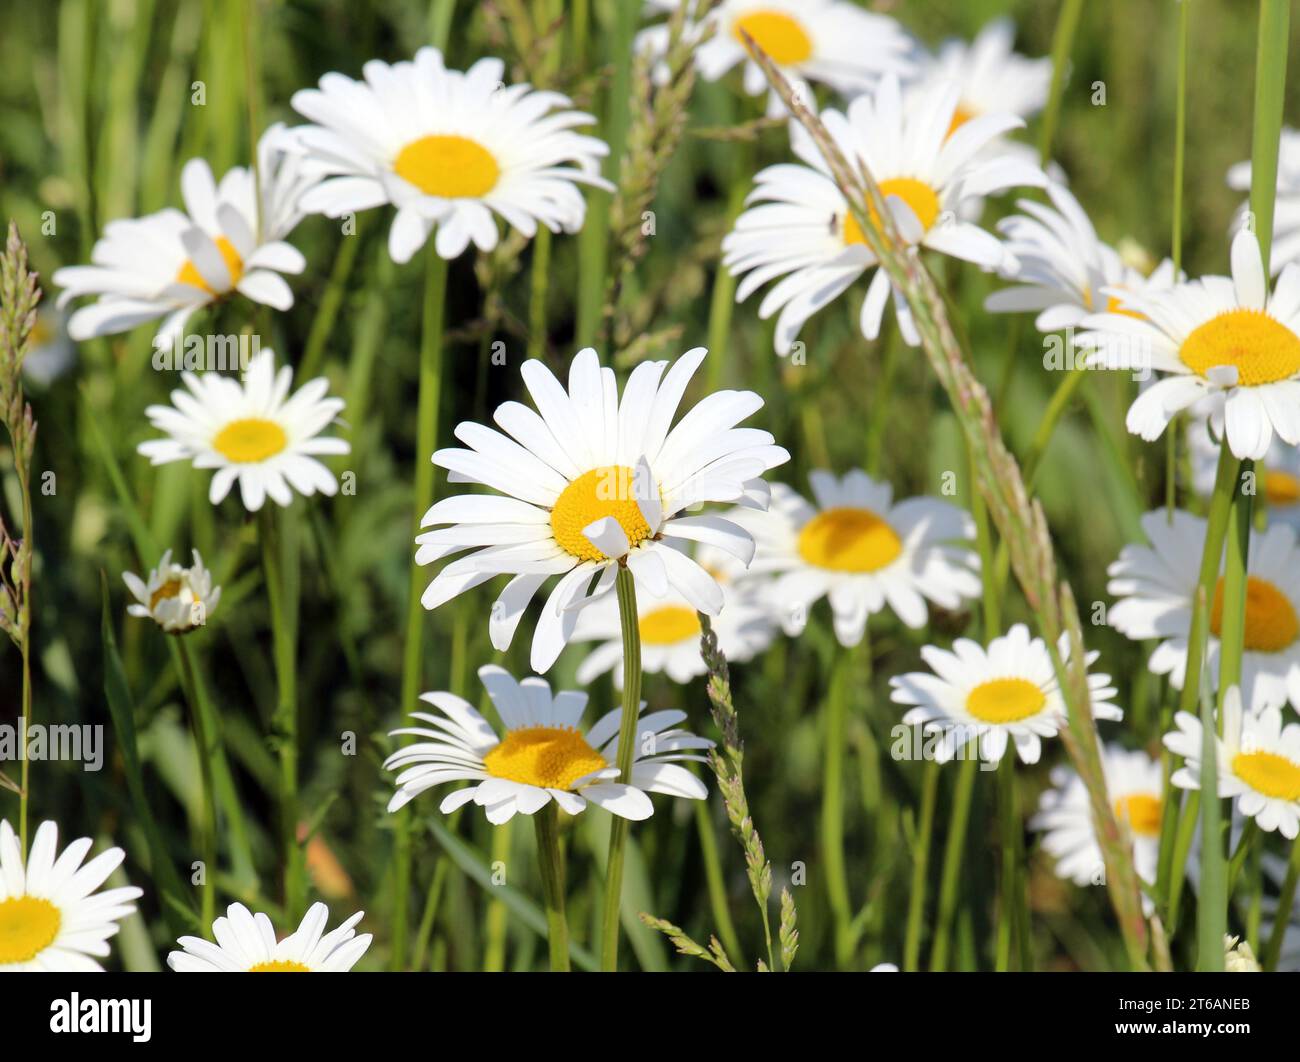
<point>1257,765</point>
<point>253,433</point>
<point>51,915</point>
<point>246,943</point>
<point>169,264</point>
<point>1226,337</point>
<point>829,42</point>
<point>543,755</point>
<point>670,627</point>
<point>1062,271</point>
<point>589,483</point>
<point>863,551</point>
<point>991,77</point>
<point>801,233</point>
<point>1005,693</point>
<point>177,598</point>
<point>1134,786</point>
<point>449,150</point>
<point>1156,585</point>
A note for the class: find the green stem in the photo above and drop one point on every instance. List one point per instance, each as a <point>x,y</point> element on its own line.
<point>1062,43</point>
<point>1180,139</point>
<point>278,544</point>
<point>1270,90</point>
<point>494,953</point>
<point>593,244</point>
<point>1282,915</point>
<point>717,886</point>
<point>954,848</point>
<point>1013,896</point>
<point>920,866</point>
<point>322,324</point>
<point>431,350</point>
<point>832,811</point>
<point>1245,844</point>
<point>619,826</point>
<point>1232,627</point>
<point>552,863</point>
<point>204,747</point>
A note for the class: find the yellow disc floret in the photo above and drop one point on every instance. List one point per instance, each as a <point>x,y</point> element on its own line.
<point>450,167</point>
<point>249,440</point>
<point>28,925</point>
<point>1260,348</point>
<point>1005,700</point>
<point>849,540</point>
<point>593,496</point>
<point>1271,621</point>
<point>780,35</point>
<point>549,757</point>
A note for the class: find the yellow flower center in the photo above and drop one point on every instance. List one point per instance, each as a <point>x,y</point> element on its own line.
<point>919,196</point>
<point>28,925</point>
<point>1281,488</point>
<point>1005,700</point>
<point>450,167</point>
<point>849,540</point>
<point>1261,349</point>
<point>171,588</point>
<point>279,966</point>
<point>668,625</point>
<point>249,440</point>
<point>594,495</point>
<point>1268,773</point>
<point>549,757</point>
<point>1142,813</point>
<point>960,117</point>
<point>1271,621</point>
<point>189,272</point>
<point>780,35</point>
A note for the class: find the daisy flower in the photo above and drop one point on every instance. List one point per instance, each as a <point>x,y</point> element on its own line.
<point>990,76</point>
<point>245,943</point>
<point>1215,335</point>
<point>1157,585</point>
<point>1286,208</point>
<point>670,627</point>
<point>1134,784</point>
<point>827,41</point>
<point>171,263</point>
<point>801,230</point>
<point>1258,762</point>
<point>250,432</point>
<point>448,150</point>
<point>176,598</point>
<point>989,696</point>
<point>1062,270</point>
<point>864,552</point>
<point>590,483</point>
<point>543,756</point>
<point>51,917</point>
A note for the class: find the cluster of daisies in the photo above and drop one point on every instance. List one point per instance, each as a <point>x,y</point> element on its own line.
<point>590,480</point>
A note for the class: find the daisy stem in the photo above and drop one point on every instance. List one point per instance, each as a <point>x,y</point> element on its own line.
<point>723,299</point>
<point>1013,896</point>
<point>1245,844</point>
<point>1282,916</point>
<point>205,748</point>
<point>832,812</point>
<point>920,865</point>
<point>431,343</point>
<point>1212,898</point>
<point>1180,139</point>
<point>716,884</point>
<point>279,552</point>
<point>954,849</point>
<point>1270,87</point>
<point>494,953</point>
<point>1232,628</point>
<point>618,829</point>
<point>551,858</point>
